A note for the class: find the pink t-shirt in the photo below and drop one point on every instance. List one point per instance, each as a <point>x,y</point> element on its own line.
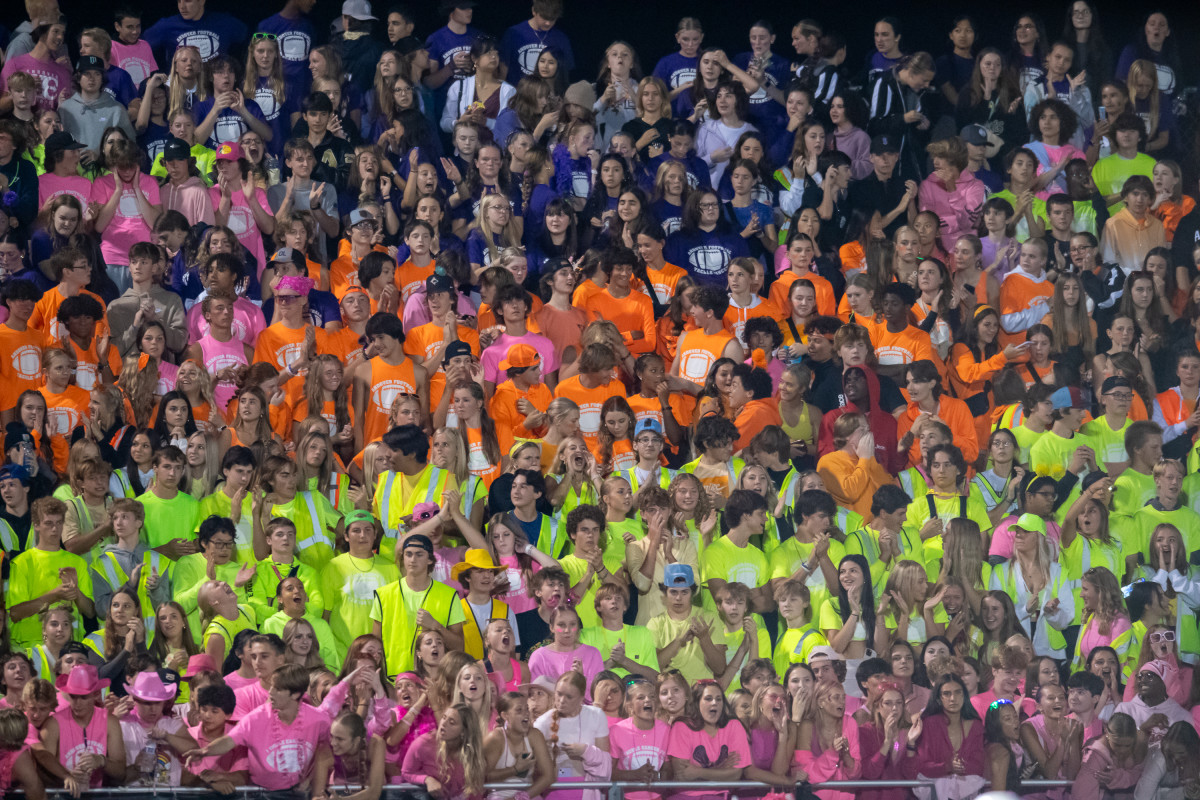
<point>137,59</point>
<point>54,77</point>
<point>632,748</point>
<point>166,378</point>
<point>233,761</point>
<point>241,221</point>
<point>235,681</point>
<point>705,751</point>
<point>1091,638</point>
<point>553,664</point>
<point>127,227</point>
<point>280,755</point>
<point>249,697</point>
<point>248,322</point>
<point>498,351</point>
<point>51,186</point>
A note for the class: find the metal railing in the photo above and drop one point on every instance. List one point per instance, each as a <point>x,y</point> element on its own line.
<point>398,791</point>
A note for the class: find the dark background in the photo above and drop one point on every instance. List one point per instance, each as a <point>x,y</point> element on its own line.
<point>649,25</point>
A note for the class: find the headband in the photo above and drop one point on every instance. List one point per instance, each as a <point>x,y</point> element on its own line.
<point>297,283</point>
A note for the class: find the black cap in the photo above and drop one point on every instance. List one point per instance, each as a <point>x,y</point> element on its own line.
<point>89,62</point>
<point>419,540</point>
<point>437,282</point>
<point>176,150</point>
<point>15,433</point>
<point>1115,382</point>
<point>62,141</point>
<point>408,45</point>
<point>884,143</point>
<point>454,350</point>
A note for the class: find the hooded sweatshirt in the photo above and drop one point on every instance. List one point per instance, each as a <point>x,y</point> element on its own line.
<point>883,425</point>
<point>86,121</point>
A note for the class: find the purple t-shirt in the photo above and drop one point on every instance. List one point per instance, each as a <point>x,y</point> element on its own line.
<point>295,42</point>
<point>676,70</point>
<point>498,351</point>
<point>230,125</point>
<point>443,43</point>
<point>521,45</point>
<point>213,34</point>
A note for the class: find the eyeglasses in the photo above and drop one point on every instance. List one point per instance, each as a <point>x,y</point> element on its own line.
<point>222,543</point>
<point>402,90</point>
<point>1162,636</point>
<point>270,37</point>
<point>709,206</point>
<point>287,298</point>
<point>1120,395</point>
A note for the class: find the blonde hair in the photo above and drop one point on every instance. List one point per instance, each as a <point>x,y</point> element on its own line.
<point>459,470</point>
<point>904,578</point>
<point>370,476</point>
<point>177,95</point>
<point>509,236</point>
<point>1144,68</point>
<point>274,80</point>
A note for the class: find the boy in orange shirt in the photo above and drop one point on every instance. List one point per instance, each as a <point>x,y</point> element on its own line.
<point>1025,294</point>
<point>631,311</point>
<point>518,407</point>
<point>699,349</point>
<point>343,272</point>
<point>590,388</point>
<point>426,344</point>
<point>897,343</point>
<point>419,265</point>
<point>20,346</point>
<point>377,382</point>
<point>70,266</point>
<point>750,395</point>
<point>663,277</point>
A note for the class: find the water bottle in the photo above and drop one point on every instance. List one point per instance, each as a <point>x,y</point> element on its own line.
<point>148,761</point>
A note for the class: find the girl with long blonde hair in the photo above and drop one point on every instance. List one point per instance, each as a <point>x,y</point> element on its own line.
<point>184,80</point>
<point>196,384</point>
<point>265,85</point>
<point>1104,616</point>
<point>906,613</point>
<point>497,227</point>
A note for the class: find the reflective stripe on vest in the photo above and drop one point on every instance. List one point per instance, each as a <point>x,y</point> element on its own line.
<point>151,562</point>
<point>318,532</point>
<point>123,479</point>
<point>8,538</point>
<point>548,537</point>
<point>1009,577</point>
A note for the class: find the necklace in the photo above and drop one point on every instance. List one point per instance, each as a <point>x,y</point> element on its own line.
<point>354,559</point>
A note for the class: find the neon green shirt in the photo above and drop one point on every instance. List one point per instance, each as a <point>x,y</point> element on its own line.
<point>639,644</point>
<point>1052,452</point>
<point>1109,445</point>
<point>726,561</point>
<point>176,518</point>
<point>1131,491</point>
<point>348,586</point>
<point>34,573</point>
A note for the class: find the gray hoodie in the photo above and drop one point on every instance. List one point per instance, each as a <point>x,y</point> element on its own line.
<point>86,122</point>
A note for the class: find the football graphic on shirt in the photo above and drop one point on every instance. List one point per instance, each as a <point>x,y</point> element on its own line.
<point>27,361</point>
<point>710,259</point>
<point>204,41</point>
<point>267,102</point>
<point>293,46</point>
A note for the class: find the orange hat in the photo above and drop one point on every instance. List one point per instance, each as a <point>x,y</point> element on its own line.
<point>521,356</point>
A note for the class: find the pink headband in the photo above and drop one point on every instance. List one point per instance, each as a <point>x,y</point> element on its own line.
<point>298,284</point>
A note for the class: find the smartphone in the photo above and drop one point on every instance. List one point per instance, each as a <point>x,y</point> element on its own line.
<point>1102,113</point>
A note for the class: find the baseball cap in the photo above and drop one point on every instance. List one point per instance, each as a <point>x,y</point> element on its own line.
<point>454,350</point>
<point>284,255</point>
<point>521,356</point>
<point>16,434</point>
<point>229,151</point>
<point>357,9</point>
<point>176,150</point>
<point>419,539</point>
<point>648,424</point>
<point>980,136</point>
<point>1031,522</point>
<point>884,143</point>
<point>360,215</point>
<point>1068,397</point>
<point>1115,382</point>
<point>438,282</point>
<point>62,141</point>
<point>15,472</point>
<point>676,575</point>
<point>86,63</point>
<point>823,651</point>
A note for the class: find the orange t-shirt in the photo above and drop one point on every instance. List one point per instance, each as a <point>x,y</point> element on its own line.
<point>343,272</point>
<point>87,362</point>
<point>589,402</point>
<point>477,460</point>
<point>63,412</point>
<point>328,413</point>
<point>698,351</point>
<point>736,316</point>
<point>342,343</point>
<point>1020,293</point>
<point>410,278</point>
<point>20,362</point>
<point>668,341</point>
<point>634,312</point>
<point>852,481</point>
<point>650,408</point>
<point>384,382</point>
<point>45,314</point>
<point>826,303</point>
<point>852,256</point>
<point>909,345</point>
<point>1171,213</point>
<point>281,346</point>
<point>509,422</point>
<point>663,281</point>
<point>424,341</point>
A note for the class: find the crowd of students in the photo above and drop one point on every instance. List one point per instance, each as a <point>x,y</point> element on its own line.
<point>402,410</point>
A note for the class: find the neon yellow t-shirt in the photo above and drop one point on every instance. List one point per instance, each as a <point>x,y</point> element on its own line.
<point>1131,491</point>
<point>726,561</point>
<point>614,543</point>
<point>1052,453</point>
<point>1107,444</point>
<point>786,559</point>
<point>348,586</point>
<point>1148,518</point>
<point>639,644</point>
<point>221,504</point>
<point>690,658</point>
<point>34,573</point>
<point>1026,439</point>
<point>795,645</point>
<point>176,518</point>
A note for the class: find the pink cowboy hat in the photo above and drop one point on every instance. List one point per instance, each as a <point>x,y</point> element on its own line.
<point>83,679</point>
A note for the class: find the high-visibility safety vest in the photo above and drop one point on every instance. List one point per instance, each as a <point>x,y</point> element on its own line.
<point>123,479</point>
<point>398,633</point>
<point>110,567</point>
<point>1006,574</point>
<point>316,546</point>
<point>472,633</point>
<point>43,662</point>
<point>1121,644</point>
<point>430,487</point>
<point>665,476</point>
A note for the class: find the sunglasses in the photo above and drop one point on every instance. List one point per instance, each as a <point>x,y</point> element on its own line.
<point>1163,636</point>
<point>270,37</point>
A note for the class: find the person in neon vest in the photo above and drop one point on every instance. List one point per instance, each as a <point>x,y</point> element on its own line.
<point>126,557</point>
<point>437,608</point>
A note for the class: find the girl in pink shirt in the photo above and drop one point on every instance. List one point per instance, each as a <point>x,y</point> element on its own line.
<point>639,742</point>
<point>239,204</point>
<point>449,763</point>
<point>827,744</point>
<point>1105,622</point>
<point>129,207</point>
<point>709,744</point>
<point>565,653</point>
